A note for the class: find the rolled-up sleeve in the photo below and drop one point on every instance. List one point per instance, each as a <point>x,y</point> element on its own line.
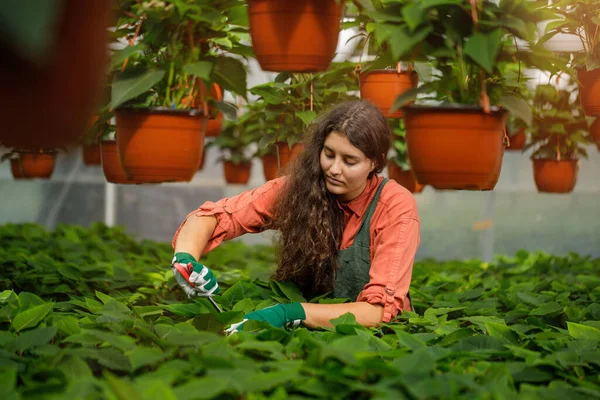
<point>393,250</point>
<point>247,212</point>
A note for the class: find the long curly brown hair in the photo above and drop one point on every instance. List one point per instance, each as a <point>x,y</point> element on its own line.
<point>307,216</point>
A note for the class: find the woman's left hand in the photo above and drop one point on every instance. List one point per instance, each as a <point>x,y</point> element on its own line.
<point>279,316</point>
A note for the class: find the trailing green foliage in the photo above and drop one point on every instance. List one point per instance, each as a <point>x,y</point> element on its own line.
<point>92,313</point>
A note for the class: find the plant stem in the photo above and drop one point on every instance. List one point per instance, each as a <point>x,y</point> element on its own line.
<point>169,83</point>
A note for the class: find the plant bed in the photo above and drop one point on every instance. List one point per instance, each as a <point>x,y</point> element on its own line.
<point>95,311</point>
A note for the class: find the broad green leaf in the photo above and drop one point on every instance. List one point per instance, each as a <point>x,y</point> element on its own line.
<point>413,15</point>
<point>579,331</point>
<point>477,344</point>
<point>407,340</point>
<point>68,325</point>
<point>34,337</point>
<point>272,350</point>
<point>502,332</point>
<point>128,86</point>
<point>143,356</point>
<point>31,317</point>
<point>187,309</point>
<point>483,48</point>
<point>122,388</point>
<point>231,75</point>
<point>518,107</point>
<point>206,387</point>
<point>200,69</point>
<point>27,300</point>
<point>119,56</point>
<point>306,116</point>
<point>547,308</point>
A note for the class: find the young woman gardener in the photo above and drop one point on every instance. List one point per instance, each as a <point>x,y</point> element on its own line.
<point>341,227</point>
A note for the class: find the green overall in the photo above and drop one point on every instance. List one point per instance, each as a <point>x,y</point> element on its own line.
<point>354,262</point>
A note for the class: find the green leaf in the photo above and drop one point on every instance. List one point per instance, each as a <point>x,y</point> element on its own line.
<point>31,317</point>
<point>579,331</point>
<point>413,15</point>
<point>547,308</point>
<point>119,56</point>
<point>289,290</point>
<point>231,75</point>
<point>129,86</point>
<point>502,332</point>
<point>68,325</point>
<point>306,116</point>
<point>407,340</point>
<point>206,387</point>
<point>122,387</point>
<point>518,107</point>
<point>188,309</point>
<point>200,69</point>
<point>143,356</point>
<point>483,48</point>
<point>35,337</point>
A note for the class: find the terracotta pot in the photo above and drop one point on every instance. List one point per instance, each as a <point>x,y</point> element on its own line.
<point>237,173</point>
<point>404,178</point>
<point>455,147</point>
<point>91,154</point>
<point>214,126</point>
<point>294,36</point>
<point>271,169</point>
<point>589,90</point>
<point>595,132</point>
<point>111,165</point>
<point>381,87</point>
<point>67,86</point>
<point>33,165</point>
<point>160,145</point>
<point>517,141</point>
<point>15,168</point>
<point>552,176</point>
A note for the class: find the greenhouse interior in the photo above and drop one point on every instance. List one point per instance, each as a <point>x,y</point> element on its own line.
<point>308,199</point>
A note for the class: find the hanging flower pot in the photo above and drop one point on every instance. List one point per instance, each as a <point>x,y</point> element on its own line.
<point>202,160</point>
<point>553,176</point>
<point>595,132</point>
<point>381,87</point>
<point>272,169</point>
<point>91,154</point>
<point>455,147</point>
<point>589,90</point>
<point>294,36</point>
<point>111,165</point>
<point>159,145</point>
<point>214,126</point>
<point>517,141</point>
<point>404,178</point>
<point>33,165</point>
<point>237,173</point>
<point>66,85</point>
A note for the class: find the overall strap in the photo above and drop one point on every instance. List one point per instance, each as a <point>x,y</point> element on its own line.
<point>363,231</point>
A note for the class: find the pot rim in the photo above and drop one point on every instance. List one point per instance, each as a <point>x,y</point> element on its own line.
<point>452,107</point>
<point>387,71</point>
<point>570,160</point>
<point>192,112</point>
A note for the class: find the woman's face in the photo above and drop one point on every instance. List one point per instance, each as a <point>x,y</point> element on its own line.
<point>346,168</point>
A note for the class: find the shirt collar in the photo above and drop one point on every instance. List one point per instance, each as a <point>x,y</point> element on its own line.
<point>359,204</point>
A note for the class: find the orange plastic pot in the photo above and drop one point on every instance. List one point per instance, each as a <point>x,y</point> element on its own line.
<point>214,126</point>
<point>160,145</point>
<point>589,90</point>
<point>33,165</point>
<point>404,178</point>
<point>552,176</point>
<point>237,173</point>
<point>294,36</point>
<point>91,154</point>
<point>517,141</point>
<point>272,169</point>
<point>381,88</point>
<point>202,160</point>
<point>111,165</point>
<point>455,147</point>
<point>595,132</point>
<point>66,87</point>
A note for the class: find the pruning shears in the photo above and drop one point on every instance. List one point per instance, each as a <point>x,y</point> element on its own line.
<point>185,271</point>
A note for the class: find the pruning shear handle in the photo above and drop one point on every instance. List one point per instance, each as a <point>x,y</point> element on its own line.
<point>185,271</point>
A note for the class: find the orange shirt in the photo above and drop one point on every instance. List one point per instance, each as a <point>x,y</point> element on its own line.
<point>394,234</point>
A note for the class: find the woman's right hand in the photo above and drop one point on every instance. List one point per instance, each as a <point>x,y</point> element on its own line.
<point>194,278</point>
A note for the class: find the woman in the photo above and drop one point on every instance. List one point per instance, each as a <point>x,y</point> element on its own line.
<point>341,227</point>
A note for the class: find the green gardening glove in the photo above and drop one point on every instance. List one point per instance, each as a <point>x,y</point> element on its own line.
<point>194,278</point>
<point>279,316</point>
